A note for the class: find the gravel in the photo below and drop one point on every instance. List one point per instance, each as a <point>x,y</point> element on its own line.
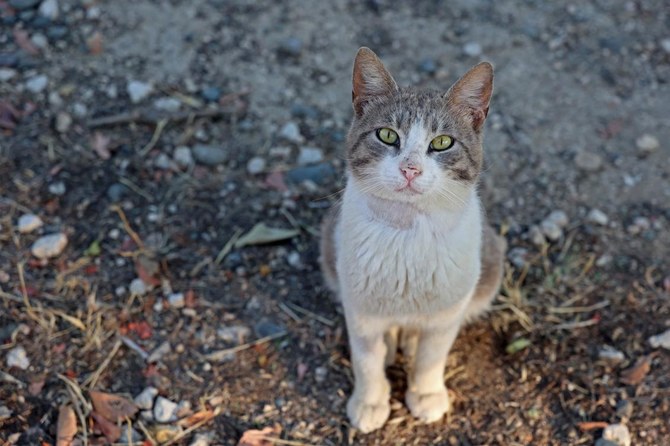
<point>157,354</point>
<point>167,104</point>
<point>138,287</point>
<point>183,157</point>
<point>28,223</point>
<point>610,354</point>
<point>63,122</point>
<point>551,230</point>
<point>209,155</point>
<point>291,46</point>
<point>618,434</point>
<point>37,84</point>
<point>310,155</point>
<point>23,4</point>
<point>176,300</point>
<point>588,162</point>
<point>7,74</point>
<point>57,188</point>
<point>647,144</point>
<point>536,236</point>
<point>256,165</point>
<point>138,90</point>
<point>291,132</point>
<point>234,334</point>
<point>472,49</point>
<point>49,246</point>
<point>322,173</point>
<point>145,400</point>
<point>211,94</point>
<point>598,217</point>
<point>18,358</point>
<point>660,340</point>
<point>165,411</point>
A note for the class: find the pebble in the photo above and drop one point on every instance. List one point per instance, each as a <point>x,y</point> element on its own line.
<point>159,352</point>
<point>560,218</point>
<point>640,224</point>
<point>176,300</point>
<point>145,400</point>
<point>598,217</point>
<point>321,173</point>
<point>428,66</point>
<point>518,256</point>
<point>320,374</point>
<point>256,165</point>
<point>665,44</point>
<point>49,246</point>
<point>209,155</point>
<point>129,436</point>
<point>200,440</point>
<point>624,409</point>
<point>472,49</point>
<point>183,157</point>
<point>293,259</point>
<point>39,40</point>
<point>551,230</point>
<point>660,340</point>
<point>138,287</point>
<point>536,236</point>
<point>116,191</point>
<point>588,162</point>
<point>63,122</point>
<point>184,409</point>
<point>291,46</point>
<point>57,188</point>
<point>234,334</point>
<point>6,74</point>
<point>266,327</point>
<point>5,413</point>
<point>23,4</point>
<point>37,84</point>
<point>291,132</point>
<point>609,353</point>
<point>93,13</point>
<point>57,32</point>
<point>211,94</point>
<point>163,161</point>
<point>310,155</point>
<point>647,144</point>
<point>167,104</point>
<point>17,357</point>
<point>28,223</point>
<point>299,110</point>
<point>138,90</point>
<point>165,411</point>
<point>80,110</point>
<point>618,434</point>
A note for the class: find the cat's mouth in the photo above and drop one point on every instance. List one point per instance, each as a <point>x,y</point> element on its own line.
<point>408,189</point>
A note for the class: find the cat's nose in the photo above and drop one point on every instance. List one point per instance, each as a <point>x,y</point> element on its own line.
<point>410,171</point>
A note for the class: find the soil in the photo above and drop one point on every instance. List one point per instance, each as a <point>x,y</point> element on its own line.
<point>577,85</point>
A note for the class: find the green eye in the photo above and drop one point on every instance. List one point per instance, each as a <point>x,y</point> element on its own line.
<point>442,142</point>
<point>387,136</point>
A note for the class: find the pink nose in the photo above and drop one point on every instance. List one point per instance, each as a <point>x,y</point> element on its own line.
<point>410,172</point>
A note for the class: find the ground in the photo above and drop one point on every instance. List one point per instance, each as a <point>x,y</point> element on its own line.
<point>579,121</point>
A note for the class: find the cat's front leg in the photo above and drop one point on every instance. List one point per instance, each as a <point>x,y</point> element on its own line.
<point>427,396</point>
<point>368,407</point>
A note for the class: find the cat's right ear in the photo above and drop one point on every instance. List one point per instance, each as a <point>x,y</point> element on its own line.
<point>370,79</point>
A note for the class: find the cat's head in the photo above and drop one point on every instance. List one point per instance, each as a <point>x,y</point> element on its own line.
<point>419,147</point>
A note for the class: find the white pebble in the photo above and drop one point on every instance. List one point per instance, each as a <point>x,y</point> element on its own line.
<point>598,217</point>
<point>28,223</point>
<point>159,352</point>
<point>49,9</point>
<point>291,132</point>
<point>167,104</point>
<point>6,74</point>
<point>665,44</point>
<point>647,144</point>
<point>661,340</point>
<point>200,440</point>
<point>536,236</point>
<point>37,84</point>
<point>48,246</point>
<point>609,353</point>
<point>559,217</point>
<point>57,188</point>
<point>165,411</point>
<point>310,155</point>
<point>176,300</point>
<point>472,49</point>
<point>138,90</point>
<point>256,165</point>
<point>138,287</point>
<point>617,433</point>
<point>145,400</point>
<point>183,156</point>
<point>551,230</point>
<point>17,357</point>
<point>234,334</point>
<point>293,259</point>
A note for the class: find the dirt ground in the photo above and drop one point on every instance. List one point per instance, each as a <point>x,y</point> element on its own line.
<point>154,134</point>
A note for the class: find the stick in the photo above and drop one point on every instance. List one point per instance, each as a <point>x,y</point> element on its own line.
<point>133,346</point>
<point>154,139</point>
<point>221,354</point>
<point>308,313</point>
<point>126,225</point>
<point>184,433</point>
<point>227,247</point>
<point>93,379</point>
<point>153,118</point>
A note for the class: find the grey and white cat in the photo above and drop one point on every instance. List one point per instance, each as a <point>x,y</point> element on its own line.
<point>407,250</point>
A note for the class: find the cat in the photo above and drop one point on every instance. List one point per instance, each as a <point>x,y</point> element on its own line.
<point>407,249</point>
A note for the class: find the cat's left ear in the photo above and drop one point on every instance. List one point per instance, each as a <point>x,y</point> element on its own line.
<point>473,92</point>
<point>370,79</point>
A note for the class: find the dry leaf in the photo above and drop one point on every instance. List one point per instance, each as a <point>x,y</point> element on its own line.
<point>23,41</point>
<point>112,407</point>
<point>100,144</point>
<point>110,430</point>
<point>254,437</point>
<point>67,426</point>
<point>636,374</point>
<point>94,43</point>
<point>262,234</point>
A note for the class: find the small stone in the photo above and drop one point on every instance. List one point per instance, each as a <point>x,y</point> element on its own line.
<point>37,84</point>
<point>55,99</point>
<point>518,256</point>
<point>428,66</point>
<point>293,259</point>
<point>291,132</point>
<point>48,246</point>
<point>23,4</point>
<point>80,110</point>
<point>165,411</point>
<point>39,40</point>
<point>167,104</point>
<point>211,94</point>
<point>209,155</point>
<point>163,161</point>
<point>145,400</point>
<point>63,122</point>
<point>116,191</point>
<point>5,413</point>
<point>256,165</point>
<point>57,32</point>
<point>647,144</point>
<point>138,90</point>
<point>6,74</point>
<point>266,327</point>
<point>617,433</point>
<point>184,409</point>
<point>472,49</point>
<point>299,110</point>
<point>536,236</point>
<point>234,334</point>
<point>57,188</point>
<point>665,44</point>
<point>551,230</point>
<point>176,300</point>
<point>320,374</point>
<point>138,287</point>
<point>558,217</point>
<point>321,173</point>
<point>291,46</point>
<point>588,162</point>
<point>624,409</point>
<point>129,435</point>
<point>598,217</point>
<point>310,155</point>
<point>640,224</point>
<point>93,13</point>
<point>200,440</point>
<point>159,352</point>
<point>280,152</point>
<point>17,357</point>
<point>609,353</point>
<point>660,340</point>
<point>28,223</point>
<point>183,157</point>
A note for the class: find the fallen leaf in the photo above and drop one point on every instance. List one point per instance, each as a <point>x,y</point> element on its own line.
<point>262,234</point>
<point>23,41</point>
<point>110,430</point>
<point>113,407</point>
<point>94,43</point>
<point>100,144</point>
<point>636,373</point>
<point>517,345</point>
<point>93,249</point>
<point>586,426</point>
<point>67,426</point>
<point>255,437</point>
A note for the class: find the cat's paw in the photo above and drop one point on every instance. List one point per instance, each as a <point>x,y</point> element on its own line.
<point>367,416</point>
<point>428,407</point>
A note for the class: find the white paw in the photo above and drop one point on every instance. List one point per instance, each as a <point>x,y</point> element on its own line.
<point>428,407</point>
<point>367,416</point>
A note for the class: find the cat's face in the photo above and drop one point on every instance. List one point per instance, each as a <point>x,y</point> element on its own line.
<point>422,148</point>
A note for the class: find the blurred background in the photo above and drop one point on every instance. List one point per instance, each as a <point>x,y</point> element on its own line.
<point>166,165</point>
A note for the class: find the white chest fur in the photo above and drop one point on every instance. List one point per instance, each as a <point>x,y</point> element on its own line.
<point>412,266</point>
